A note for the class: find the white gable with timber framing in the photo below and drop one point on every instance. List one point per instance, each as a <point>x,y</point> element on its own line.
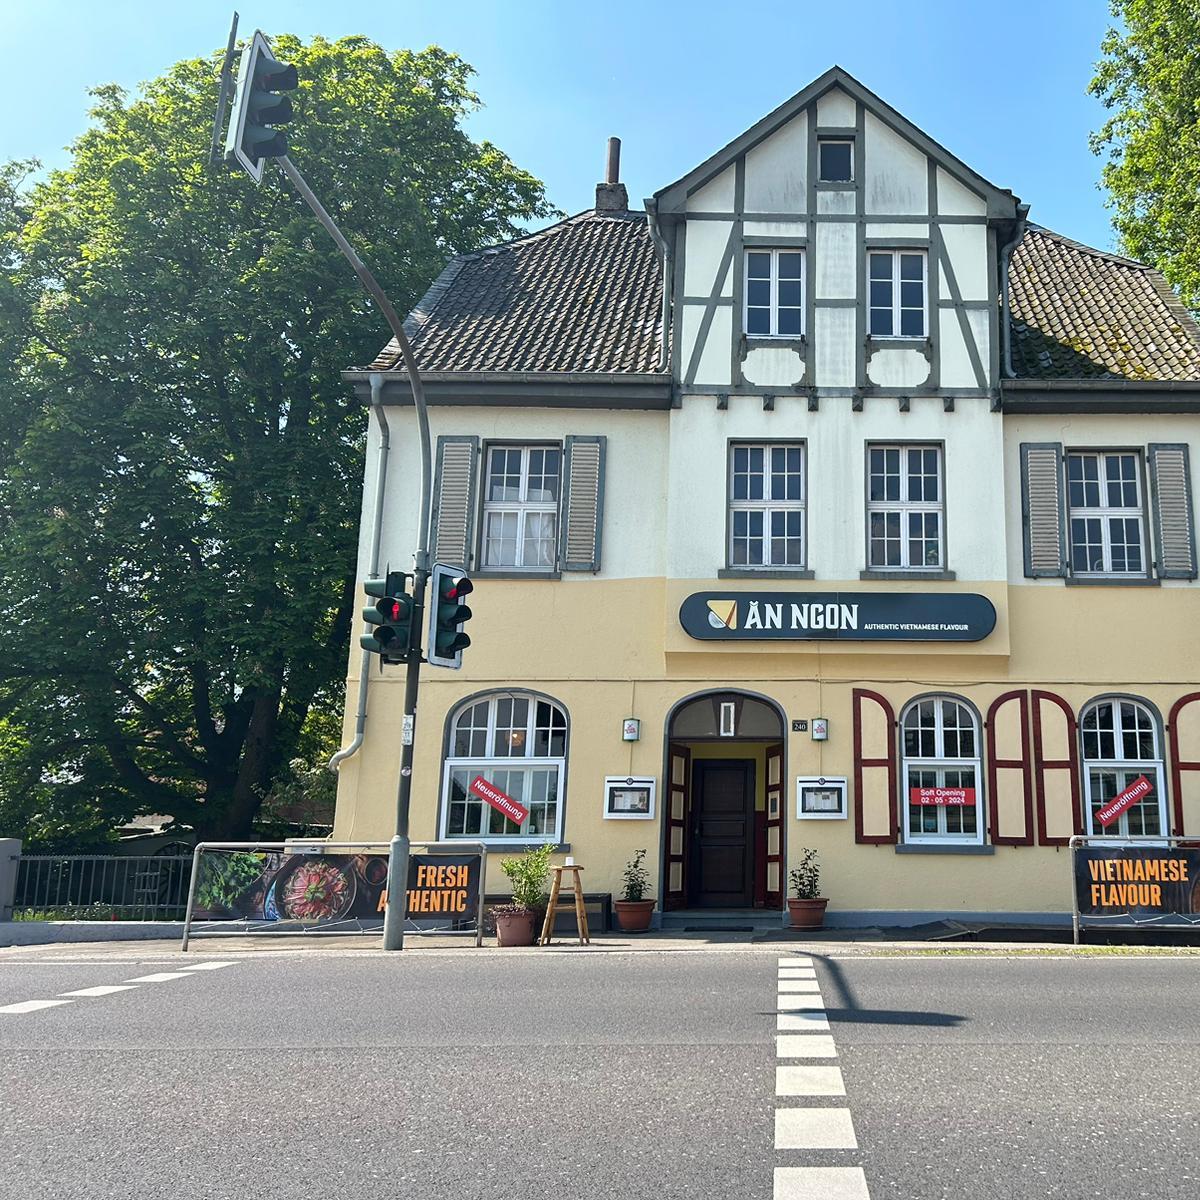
<point>834,249</point>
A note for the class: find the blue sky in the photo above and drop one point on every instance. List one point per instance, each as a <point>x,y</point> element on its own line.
<point>1004,88</point>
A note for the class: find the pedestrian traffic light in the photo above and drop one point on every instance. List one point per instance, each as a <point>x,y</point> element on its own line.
<point>392,616</point>
<point>447,615</point>
<point>259,106</point>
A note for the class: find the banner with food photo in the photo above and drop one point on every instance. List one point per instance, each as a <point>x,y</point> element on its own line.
<point>277,886</point>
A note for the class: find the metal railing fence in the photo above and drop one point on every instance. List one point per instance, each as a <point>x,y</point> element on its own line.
<point>101,887</point>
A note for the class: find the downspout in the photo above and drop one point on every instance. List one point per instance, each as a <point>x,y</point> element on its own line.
<point>664,350</point>
<point>364,671</point>
<point>1006,253</point>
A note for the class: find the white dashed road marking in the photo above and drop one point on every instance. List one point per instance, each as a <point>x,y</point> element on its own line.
<point>109,989</point>
<point>803,1026</point>
<point>28,1006</point>
<point>102,990</point>
<point>820,1183</point>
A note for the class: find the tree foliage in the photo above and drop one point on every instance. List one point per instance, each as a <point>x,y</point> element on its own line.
<point>1149,79</point>
<point>180,462</point>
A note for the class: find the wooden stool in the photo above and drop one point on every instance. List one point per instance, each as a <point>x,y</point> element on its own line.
<point>585,938</point>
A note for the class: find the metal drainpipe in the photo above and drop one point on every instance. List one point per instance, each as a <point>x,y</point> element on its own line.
<point>364,672</point>
<point>656,236</point>
<point>1006,253</point>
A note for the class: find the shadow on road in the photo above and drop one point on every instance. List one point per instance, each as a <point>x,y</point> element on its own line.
<point>850,1011</point>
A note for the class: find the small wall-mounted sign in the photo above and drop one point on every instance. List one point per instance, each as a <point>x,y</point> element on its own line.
<point>820,729</point>
<point>821,798</point>
<point>629,798</point>
<point>631,729</point>
<point>799,726</point>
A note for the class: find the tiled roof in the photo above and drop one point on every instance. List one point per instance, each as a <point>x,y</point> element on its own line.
<point>584,295</point>
<point>1078,313</point>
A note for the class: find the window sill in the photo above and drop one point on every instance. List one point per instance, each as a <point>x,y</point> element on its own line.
<point>762,573</point>
<point>835,185</point>
<point>495,845</point>
<point>879,341</point>
<point>880,573</point>
<point>768,341</point>
<point>942,848</point>
<point>484,573</point>
<point>1088,581</point>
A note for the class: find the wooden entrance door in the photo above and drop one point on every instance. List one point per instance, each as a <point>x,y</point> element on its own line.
<point>722,874</point>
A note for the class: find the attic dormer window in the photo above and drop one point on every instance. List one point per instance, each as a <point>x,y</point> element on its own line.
<point>835,160</point>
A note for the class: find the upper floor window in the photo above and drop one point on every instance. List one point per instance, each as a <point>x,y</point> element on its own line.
<point>896,279</point>
<point>766,505</point>
<point>520,507</point>
<point>1120,749</point>
<point>1104,494</point>
<point>904,507</point>
<point>774,293</point>
<point>942,796</point>
<point>516,743</point>
<point>835,160</point>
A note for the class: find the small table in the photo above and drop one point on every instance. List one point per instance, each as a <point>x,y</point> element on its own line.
<point>576,893</point>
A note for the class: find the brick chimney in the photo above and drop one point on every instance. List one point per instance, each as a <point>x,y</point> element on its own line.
<point>611,195</point>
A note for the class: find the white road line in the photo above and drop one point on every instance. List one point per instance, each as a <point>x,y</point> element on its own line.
<point>797,973</point>
<point>798,1003</point>
<point>207,966</point>
<point>799,985</point>
<point>28,1006</point>
<point>805,1045</point>
<point>102,990</point>
<point>820,1183</point>
<point>814,1129</point>
<point>159,977</point>
<point>802,1022</point>
<point>796,960</point>
<point>804,1080</point>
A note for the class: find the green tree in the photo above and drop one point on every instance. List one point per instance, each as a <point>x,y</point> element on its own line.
<point>1149,79</point>
<point>180,463</point>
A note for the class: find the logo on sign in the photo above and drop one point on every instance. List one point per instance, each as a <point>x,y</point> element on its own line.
<point>498,800</point>
<point>941,796</point>
<point>1127,799</point>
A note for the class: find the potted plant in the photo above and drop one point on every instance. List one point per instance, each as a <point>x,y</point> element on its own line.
<point>515,921</point>
<point>806,906</point>
<point>633,909</point>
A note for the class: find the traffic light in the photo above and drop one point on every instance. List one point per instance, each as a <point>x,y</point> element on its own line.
<point>392,614</point>
<point>447,615</point>
<point>258,107</point>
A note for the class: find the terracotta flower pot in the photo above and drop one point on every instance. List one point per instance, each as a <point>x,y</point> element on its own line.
<point>515,929</point>
<point>807,914</point>
<point>633,916</point>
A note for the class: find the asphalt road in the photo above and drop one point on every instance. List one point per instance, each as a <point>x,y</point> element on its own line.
<point>591,1076</point>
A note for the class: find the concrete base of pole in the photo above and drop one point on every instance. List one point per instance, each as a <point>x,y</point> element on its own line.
<point>397,893</point>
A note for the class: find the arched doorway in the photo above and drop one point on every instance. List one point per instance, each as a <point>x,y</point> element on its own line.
<point>723,829</point>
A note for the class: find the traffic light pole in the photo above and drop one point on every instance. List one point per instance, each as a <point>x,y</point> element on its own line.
<point>397,879</point>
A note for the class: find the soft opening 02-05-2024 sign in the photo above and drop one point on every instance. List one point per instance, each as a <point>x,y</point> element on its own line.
<point>838,616</point>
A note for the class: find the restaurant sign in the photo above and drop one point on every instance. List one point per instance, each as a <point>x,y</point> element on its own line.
<point>1138,882</point>
<point>838,616</point>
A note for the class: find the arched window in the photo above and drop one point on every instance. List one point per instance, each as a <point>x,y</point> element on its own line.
<point>516,743</point>
<point>1121,748</point>
<point>942,797</point>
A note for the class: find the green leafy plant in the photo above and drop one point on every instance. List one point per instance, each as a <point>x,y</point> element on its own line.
<point>636,878</point>
<point>528,875</point>
<point>805,879</point>
<point>223,878</point>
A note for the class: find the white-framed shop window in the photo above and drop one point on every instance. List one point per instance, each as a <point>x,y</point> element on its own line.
<point>1121,744</point>
<point>520,507</point>
<point>767,505</point>
<point>774,293</point>
<point>942,776</point>
<point>1107,527</point>
<point>905,507</point>
<point>517,743</point>
<point>898,293</point>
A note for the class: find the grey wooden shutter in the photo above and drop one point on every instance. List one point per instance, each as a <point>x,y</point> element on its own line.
<point>453,518</point>
<point>1171,497</point>
<point>1043,509</point>
<point>582,504</point>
